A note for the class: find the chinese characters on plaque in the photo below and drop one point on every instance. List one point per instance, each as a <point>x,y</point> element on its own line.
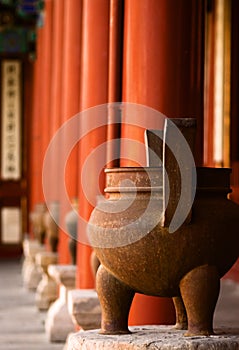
<point>11,120</point>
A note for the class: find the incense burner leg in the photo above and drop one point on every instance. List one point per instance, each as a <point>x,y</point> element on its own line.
<point>200,290</point>
<point>115,299</point>
<point>181,315</point>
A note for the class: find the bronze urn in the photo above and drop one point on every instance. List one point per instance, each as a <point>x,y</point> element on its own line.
<point>131,238</point>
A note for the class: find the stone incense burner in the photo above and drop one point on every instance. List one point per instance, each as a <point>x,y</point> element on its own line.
<point>137,252</point>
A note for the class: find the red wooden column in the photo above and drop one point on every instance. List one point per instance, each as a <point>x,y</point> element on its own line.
<point>45,56</point>
<point>162,69</point>
<point>56,92</point>
<point>209,86</point>
<point>93,92</point>
<point>234,100</point>
<point>234,271</point>
<point>70,106</point>
<point>41,103</point>
<point>29,70</point>
<point>114,80</point>
<point>35,135</point>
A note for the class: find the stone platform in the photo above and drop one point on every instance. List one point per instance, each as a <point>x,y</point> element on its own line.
<point>154,338</point>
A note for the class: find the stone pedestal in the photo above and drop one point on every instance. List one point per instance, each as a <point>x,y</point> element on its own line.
<point>51,222</point>
<point>71,222</point>
<point>37,220</point>
<point>47,290</point>
<point>153,338</point>
<point>58,321</point>
<point>84,307</point>
<point>30,272</point>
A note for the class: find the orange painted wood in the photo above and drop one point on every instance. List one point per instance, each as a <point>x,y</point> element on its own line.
<point>56,66</point>
<point>234,272</point>
<point>55,97</point>
<point>71,82</point>
<point>209,91</point>
<point>163,60</point>
<point>27,125</point>
<point>151,310</point>
<point>55,109</point>
<point>42,117</point>
<point>70,107</point>
<point>94,91</point>
<point>45,55</point>
<point>40,123</point>
<point>35,134</point>
<point>162,68</point>
<point>115,80</point>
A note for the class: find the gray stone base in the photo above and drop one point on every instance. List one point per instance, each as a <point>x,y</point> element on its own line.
<point>58,323</point>
<point>154,338</point>
<point>84,307</point>
<point>46,293</point>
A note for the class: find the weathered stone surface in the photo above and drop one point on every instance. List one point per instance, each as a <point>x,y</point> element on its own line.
<point>45,259</point>
<point>63,274</point>
<point>84,307</point>
<point>58,321</point>
<point>32,277</point>
<point>47,291</point>
<point>154,338</point>
<point>30,272</point>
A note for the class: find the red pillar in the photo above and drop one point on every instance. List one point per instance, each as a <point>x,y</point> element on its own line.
<point>234,271</point>
<point>114,80</point>
<point>35,134</point>
<point>70,106</point>
<point>41,103</point>
<point>94,91</point>
<point>45,57</point>
<point>56,69</point>
<point>55,97</point>
<point>163,59</point>
<point>55,107</point>
<point>27,122</point>
<point>71,81</point>
<point>209,87</point>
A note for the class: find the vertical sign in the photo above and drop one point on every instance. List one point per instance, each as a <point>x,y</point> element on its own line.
<point>11,225</point>
<point>11,120</point>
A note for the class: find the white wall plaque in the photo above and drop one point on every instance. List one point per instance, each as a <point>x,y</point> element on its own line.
<point>11,225</point>
<point>11,120</point>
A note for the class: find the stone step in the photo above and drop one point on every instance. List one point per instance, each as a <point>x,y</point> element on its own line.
<point>154,338</point>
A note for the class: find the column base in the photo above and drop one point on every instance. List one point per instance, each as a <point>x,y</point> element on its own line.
<point>154,338</point>
<point>58,322</point>
<point>30,272</point>
<point>84,307</point>
<point>47,290</point>
<point>33,278</point>
<point>46,294</point>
